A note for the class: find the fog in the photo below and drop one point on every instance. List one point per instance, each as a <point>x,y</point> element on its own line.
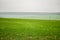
<point>29,5</point>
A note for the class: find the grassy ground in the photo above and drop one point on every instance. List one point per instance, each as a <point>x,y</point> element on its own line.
<point>29,29</point>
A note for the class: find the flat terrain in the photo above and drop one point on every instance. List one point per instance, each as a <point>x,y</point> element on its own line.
<point>29,29</point>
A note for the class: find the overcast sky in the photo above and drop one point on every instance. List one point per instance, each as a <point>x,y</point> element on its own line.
<point>29,5</point>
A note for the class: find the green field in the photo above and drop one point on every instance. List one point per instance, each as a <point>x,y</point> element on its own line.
<point>29,29</point>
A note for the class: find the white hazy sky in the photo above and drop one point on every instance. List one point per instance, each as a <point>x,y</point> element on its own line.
<point>29,5</point>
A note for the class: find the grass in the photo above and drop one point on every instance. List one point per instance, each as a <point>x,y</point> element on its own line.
<point>29,29</point>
